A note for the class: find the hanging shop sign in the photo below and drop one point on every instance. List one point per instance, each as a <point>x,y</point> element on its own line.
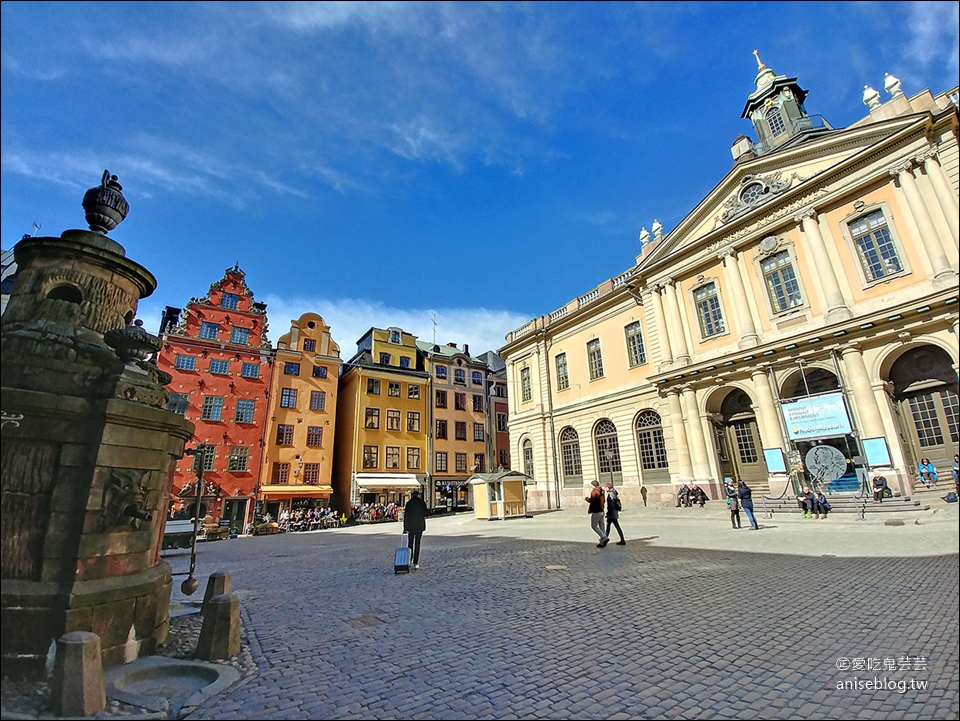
<point>823,416</point>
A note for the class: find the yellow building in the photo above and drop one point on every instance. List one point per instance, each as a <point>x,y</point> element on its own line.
<point>302,422</point>
<point>457,443</point>
<point>799,325</point>
<point>382,416</point>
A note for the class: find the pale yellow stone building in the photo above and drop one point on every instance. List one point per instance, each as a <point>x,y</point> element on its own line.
<point>799,325</point>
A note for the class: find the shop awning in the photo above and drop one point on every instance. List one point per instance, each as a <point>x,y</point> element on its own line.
<point>381,481</point>
<point>299,491</point>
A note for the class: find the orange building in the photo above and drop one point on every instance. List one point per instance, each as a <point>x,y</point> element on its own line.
<point>298,459</point>
<point>220,359</point>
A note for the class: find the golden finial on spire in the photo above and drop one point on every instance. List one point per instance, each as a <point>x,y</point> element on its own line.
<point>756,54</point>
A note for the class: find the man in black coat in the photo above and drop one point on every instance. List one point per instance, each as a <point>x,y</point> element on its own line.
<point>414,524</point>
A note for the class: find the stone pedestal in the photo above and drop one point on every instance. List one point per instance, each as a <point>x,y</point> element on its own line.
<point>77,687</point>
<point>220,633</point>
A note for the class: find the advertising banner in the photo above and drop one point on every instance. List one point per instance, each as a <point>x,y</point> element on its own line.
<point>822,416</point>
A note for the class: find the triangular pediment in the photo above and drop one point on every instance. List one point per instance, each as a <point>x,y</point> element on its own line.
<point>767,182</point>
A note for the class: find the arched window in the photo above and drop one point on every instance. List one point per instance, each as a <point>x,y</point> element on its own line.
<point>528,457</point>
<point>653,451</point>
<point>570,451</point>
<point>608,449</point>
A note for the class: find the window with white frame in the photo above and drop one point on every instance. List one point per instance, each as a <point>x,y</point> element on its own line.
<point>563,376</point>
<point>220,367</point>
<point>281,474</point>
<point>460,430</point>
<point>309,345</point>
<point>526,389</point>
<point>775,123</point>
<point>781,282</point>
<point>371,456</point>
<point>250,370</point>
<point>460,459</point>
<point>238,459</point>
<point>476,378</point>
<point>244,411</point>
<point>570,452</point>
<point>413,421</point>
<point>636,353</point>
<point>480,462</point>
<point>318,400</point>
<point>393,389</point>
<point>413,458</point>
<point>479,433</point>
<point>314,436</point>
<point>477,404</point>
<point>441,462</point>
<point>528,457</point>
<point>319,371</point>
<point>185,363</point>
<point>212,408</point>
<point>746,447</point>
<point>440,372</point>
<point>229,301</point>
<point>240,336</point>
<point>653,451</point>
<point>373,386</point>
<point>391,458</point>
<point>608,448</point>
<point>595,359</point>
<point>708,310</point>
<point>460,376</point>
<point>291,369</point>
<point>288,397</point>
<point>393,421</point>
<point>209,330</point>
<point>371,418</point>
<point>876,249</point>
<point>284,435</point>
<point>311,474</point>
<point>413,392</point>
<point>395,337</point>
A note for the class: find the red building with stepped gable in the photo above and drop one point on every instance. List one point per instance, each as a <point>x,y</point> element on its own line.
<point>221,362</point>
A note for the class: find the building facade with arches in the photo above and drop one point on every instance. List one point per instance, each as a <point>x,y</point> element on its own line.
<point>799,325</point>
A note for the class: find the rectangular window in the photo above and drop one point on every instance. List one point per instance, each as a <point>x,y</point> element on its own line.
<point>185,363</point>
<point>393,421</point>
<point>460,461</point>
<point>636,354</point>
<point>413,392</point>
<point>478,404</point>
<point>318,400</point>
<point>250,370</point>
<point>441,462</point>
<point>244,412</point>
<point>212,408</point>
<point>291,369</point>
<point>209,331</point>
<point>441,399</point>
<point>413,421</point>
<point>391,458</point>
<point>563,377</point>
<point>309,345</point>
<point>288,397</point>
<point>925,419</point>
<point>385,359</point>
<point>238,459</point>
<point>314,436</point>
<point>951,409</point>
<point>460,401</point>
<point>526,389</point>
<point>500,391</point>
<point>460,429</point>
<point>220,367</point>
<point>404,361</point>
<point>393,389</point>
<point>229,301</point>
<point>479,434</point>
<point>708,310</point>
<point>178,403</point>
<point>476,378</point>
<point>284,435</point>
<point>371,418</point>
<point>319,371</point>
<point>595,359</point>
<point>502,422</point>
<point>209,457</point>
<point>413,458</point>
<point>440,372</point>
<point>441,429</point>
<point>504,458</point>
<point>240,336</point>
<point>373,386</point>
<point>875,247</point>
<point>311,474</point>
<point>371,456</point>
<point>480,462</point>
<point>745,444</point>
<point>781,282</point>
<point>460,376</point>
<point>395,337</point>
<point>281,474</point>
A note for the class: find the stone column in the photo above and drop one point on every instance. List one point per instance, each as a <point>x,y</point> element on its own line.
<point>678,340</point>
<point>929,238</point>
<point>666,353</point>
<point>698,447</point>
<point>871,423</point>
<point>943,191</point>
<point>684,469</point>
<point>770,432</point>
<point>836,306</point>
<point>731,271</point>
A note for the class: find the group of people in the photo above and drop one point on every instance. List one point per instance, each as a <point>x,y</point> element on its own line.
<point>688,496</point>
<point>812,505</point>
<point>604,503</point>
<point>310,519</point>
<point>740,496</point>
<point>374,512</point>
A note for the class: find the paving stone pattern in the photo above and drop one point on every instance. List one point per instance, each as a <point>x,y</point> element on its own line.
<point>490,627</point>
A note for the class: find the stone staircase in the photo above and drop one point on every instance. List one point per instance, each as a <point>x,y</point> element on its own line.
<point>843,503</point>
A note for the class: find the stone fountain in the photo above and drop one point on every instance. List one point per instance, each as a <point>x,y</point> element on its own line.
<point>88,449</point>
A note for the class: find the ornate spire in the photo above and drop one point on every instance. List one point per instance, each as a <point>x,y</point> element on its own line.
<point>764,74</point>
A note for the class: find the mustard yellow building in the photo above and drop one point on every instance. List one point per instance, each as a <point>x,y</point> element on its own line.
<point>380,455</point>
<point>302,420</point>
<point>798,326</point>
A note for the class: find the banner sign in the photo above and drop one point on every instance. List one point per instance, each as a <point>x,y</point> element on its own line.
<point>822,416</point>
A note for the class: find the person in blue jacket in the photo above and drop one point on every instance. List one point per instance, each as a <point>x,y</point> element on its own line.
<point>746,501</point>
<point>928,473</point>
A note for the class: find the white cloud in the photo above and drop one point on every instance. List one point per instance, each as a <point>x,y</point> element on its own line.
<point>932,34</point>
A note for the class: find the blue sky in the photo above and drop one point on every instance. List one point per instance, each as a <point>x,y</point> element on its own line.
<point>390,163</point>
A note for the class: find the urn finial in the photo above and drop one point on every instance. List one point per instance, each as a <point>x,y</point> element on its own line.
<point>105,205</point>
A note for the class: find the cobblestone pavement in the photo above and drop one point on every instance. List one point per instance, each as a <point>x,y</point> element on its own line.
<point>527,618</point>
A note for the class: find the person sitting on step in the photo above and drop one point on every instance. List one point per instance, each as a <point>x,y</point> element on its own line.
<point>805,502</point>
<point>820,505</point>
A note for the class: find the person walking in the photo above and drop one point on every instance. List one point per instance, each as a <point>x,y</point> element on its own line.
<point>613,512</point>
<point>595,509</point>
<point>746,502</point>
<point>414,524</point>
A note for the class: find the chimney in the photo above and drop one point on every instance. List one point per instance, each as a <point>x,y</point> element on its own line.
<point>466,349</point>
